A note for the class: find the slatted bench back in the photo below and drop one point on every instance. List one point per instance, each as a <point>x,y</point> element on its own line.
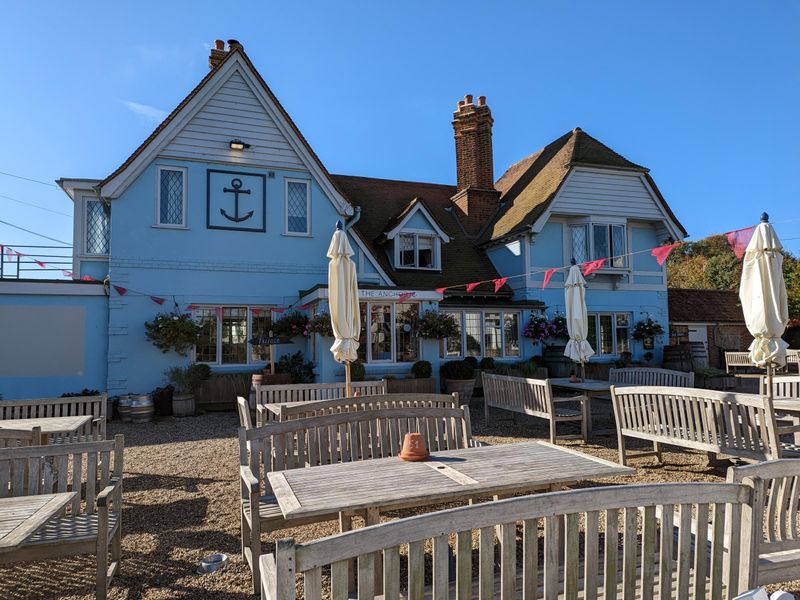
<point>783,387</point>
<point>61,407</point>
<point>738,359</point>
<point>646,376</point>
<point>378,401</point>
<point>605,549</point>
<point>84,467</point>
<point>351,436</point>
<point>777,498</point>
<point>13,438</point>
<point>740,425</point>
<point>529,396</point>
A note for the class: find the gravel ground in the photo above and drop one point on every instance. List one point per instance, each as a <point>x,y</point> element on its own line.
<point>181,503</point>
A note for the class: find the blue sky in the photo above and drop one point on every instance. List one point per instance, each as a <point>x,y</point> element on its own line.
<point>706,94</point>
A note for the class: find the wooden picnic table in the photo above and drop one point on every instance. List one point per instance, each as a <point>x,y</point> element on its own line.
<point>48,425</point>
<point>391,483</point>
<point>22,516</point>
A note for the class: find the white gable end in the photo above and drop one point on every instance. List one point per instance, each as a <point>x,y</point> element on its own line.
<point>233,111</point>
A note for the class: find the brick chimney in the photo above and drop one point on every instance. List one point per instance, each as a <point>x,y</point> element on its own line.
<point>476,198</point>
<point>218,52</point>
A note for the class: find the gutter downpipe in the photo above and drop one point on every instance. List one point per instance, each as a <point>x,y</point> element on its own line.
<point>354,220</point>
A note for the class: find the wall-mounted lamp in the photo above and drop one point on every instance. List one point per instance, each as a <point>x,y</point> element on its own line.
<point>238,144</point>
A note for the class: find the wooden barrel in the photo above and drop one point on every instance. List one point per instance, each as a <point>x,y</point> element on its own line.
<point>141,408</point>
<point>557,364</point>
<point>677,358</point>
<point>183,405</point>
<point>124,408</point>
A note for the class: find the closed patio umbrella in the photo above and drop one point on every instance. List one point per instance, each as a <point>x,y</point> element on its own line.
<point>578,348</point>
<point>762,292</point>
<point>343,301</point>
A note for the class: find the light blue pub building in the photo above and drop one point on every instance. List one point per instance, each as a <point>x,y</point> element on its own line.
<point>226,212</point>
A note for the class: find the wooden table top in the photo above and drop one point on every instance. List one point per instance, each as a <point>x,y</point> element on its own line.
<point>585,385</point>
<point>21,517</point>
<point>48,424</point>
<point>391,483</point>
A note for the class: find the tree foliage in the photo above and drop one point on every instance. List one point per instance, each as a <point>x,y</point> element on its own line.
<point>711,264</point>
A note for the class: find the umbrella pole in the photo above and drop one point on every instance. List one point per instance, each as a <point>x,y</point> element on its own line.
<point>347,390</point>
<point>583,371</point>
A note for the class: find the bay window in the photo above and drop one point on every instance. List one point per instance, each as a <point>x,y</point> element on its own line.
<point>484,334</point>
<point>388,332</point>
<point>599,240</point>
<point>225,333</point>
<point>609,333</point>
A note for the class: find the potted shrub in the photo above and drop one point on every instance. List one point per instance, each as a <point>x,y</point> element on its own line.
<point>437,326</point>
<point>422,369</point>
<point>186,381</point>
<point>459,376</point>
<point>357,371</point>
<point>297,367</point>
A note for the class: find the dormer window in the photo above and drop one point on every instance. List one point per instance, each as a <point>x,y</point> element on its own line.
<point>417,251</point>
<point>593,241</point>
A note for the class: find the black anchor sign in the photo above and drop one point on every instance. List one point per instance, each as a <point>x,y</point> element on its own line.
<point>236,189</point>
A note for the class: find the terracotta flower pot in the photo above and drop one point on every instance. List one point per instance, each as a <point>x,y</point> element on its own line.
<point>414,448</point>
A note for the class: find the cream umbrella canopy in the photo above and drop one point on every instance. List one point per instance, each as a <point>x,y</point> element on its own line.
<point>578,348</point>
<point>343,302</point>
<point>762,292</point>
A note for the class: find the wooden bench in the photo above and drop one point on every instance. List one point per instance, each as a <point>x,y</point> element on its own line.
<point>649,376</point>
<point>92,522</point>
<point>740,425</point>
<point>534,397</point>
<point>601,542</point>
<point>739,363</point>
<point>793,360</point>
<point>301,392</point>
<point>311,408</point>
<point>13,438</point>
<point>62,407</point>
<point>327,439</point>
<point>777,498</point>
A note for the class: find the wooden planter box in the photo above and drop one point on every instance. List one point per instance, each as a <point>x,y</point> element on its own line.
<point>411,386</point>
<point>220,391</point>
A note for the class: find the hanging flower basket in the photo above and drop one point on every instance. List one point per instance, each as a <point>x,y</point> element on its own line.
<point>646,328</point>
<point>321,324</point>
<point>173,331</point>
<point>539,328</point>
<point>290,325</point>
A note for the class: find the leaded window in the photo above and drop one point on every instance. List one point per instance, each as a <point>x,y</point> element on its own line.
<point>170,197</point>
<point>609,333</point>
<point>226,331</point>
<point>491,333</point>
<point>297,194</point>
<point>417,251</point>
<point>98,227</point>
<point>601,240</point>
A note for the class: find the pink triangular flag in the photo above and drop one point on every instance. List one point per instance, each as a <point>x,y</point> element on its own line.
<point>191,307</point>
<point>590,267</point>
<point>547,275</point>
<point>498,283</point>
<point>10,253</point>
<point>405,296</point>
<point>739,239</point>
<point>255,311</point>
<point>87,278</point>
<point>278,310</point>
<point>157,300</point>
<point>121,290</point>
<point>303,307</point>
<point>67,273</point>
<point>440,290</point>
<point>40,263</point>
<point>472,286</point>
<point>662,252</point>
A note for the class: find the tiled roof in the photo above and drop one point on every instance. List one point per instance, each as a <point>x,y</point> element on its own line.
<point>529,186</point>
<point>384,200</point>
<point>704,306</point>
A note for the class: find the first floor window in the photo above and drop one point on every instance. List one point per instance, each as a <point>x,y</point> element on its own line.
<point>226,331</point>
<point>599,241</point>
<point>388,332</point>
<point>297,207</point>
<point>98,227</point>
<point>171,197</point>
<point>609,333</point>
<point>417,251</point>
<point>484,334</point>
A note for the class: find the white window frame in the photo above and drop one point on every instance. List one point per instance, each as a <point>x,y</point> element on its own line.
<point>219,315</point>
<point>417,233</point>
<point>393,333</point>
<point>307,183</point>
<point>614,327</point>
<point>185,180</point>
<point>590,225</point>
<point>460,312</point>
<point>84,229</point>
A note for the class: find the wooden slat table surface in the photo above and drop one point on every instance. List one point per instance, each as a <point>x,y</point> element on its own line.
<point>21,517</point>
<point>49,425</point>
<point>391,483</point>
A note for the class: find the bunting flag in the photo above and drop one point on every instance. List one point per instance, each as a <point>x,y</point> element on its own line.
<point>472,286</point>
<point>87,278</point>
<point>405,296</point>
<point>590,267</point>
<point>67,273</point>
<point>303,307</point>
<point>40,263</point>
<point>157,300</point>
<point>739,239</point>
<point>191,307</point>
<point>121,290</point>
<point>10,253</point>
<point>440,290</point>
<point>498,283</point>
<point>662,252</point>
<point>547,275</point>
<point>255,311</point>
<point>278,310</point>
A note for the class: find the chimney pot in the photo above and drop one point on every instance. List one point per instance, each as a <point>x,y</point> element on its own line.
<point>219,44</point>
<point>468,98</point>
<point>481,100</point>
<point>460,104</point>
<point>233,44</point>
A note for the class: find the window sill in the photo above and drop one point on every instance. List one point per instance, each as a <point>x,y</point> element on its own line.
<point>97,257</point>
<point>300,235</point>
<point>174,227</point>
<point>432,269</point>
